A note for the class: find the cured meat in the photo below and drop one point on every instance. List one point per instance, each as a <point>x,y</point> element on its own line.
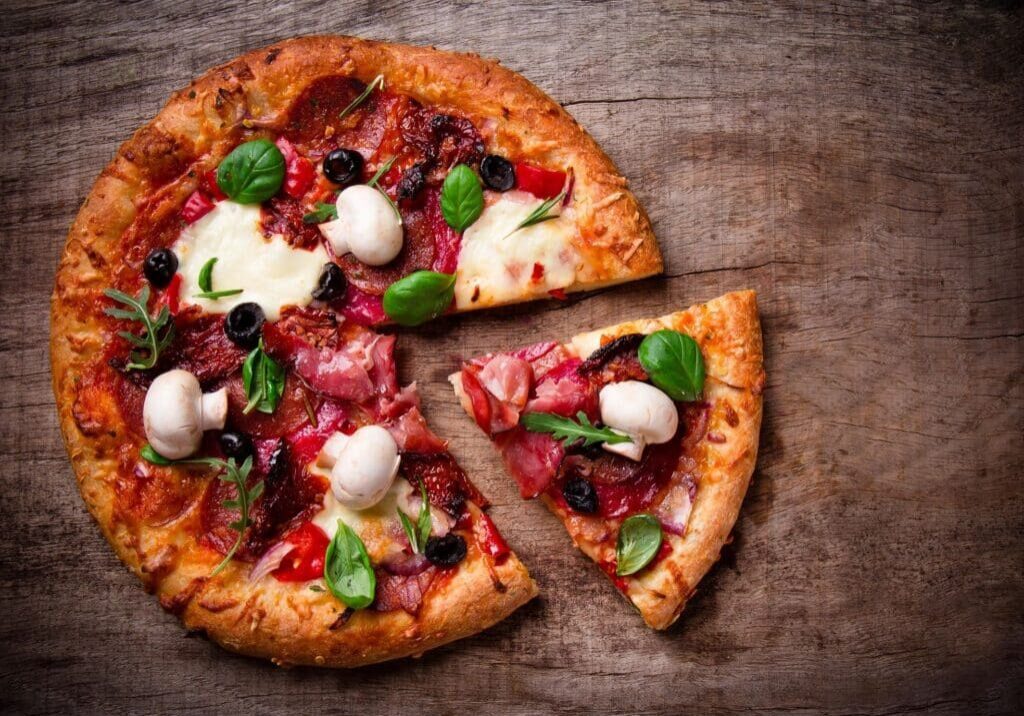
<point>396,591</point>
<point>532,458</point>
<point>447,485</point>
<point>564,391</point>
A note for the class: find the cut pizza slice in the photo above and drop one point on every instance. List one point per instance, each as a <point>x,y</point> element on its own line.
<point>641,437</point>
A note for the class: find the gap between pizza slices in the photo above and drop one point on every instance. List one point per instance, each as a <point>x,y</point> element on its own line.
<point>641,437</point>
<point>233,419</point>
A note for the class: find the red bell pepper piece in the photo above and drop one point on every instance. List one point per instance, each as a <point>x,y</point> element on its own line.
<point>306,560</point>
<point>196,207</point>
<point>542,183</point>
<point>489,539</point>
<point>171,295</point>
<point>208,183</point>
<point>299,173</point>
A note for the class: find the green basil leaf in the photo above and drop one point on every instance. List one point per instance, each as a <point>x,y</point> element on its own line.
<point>419,297</point>
<point>206,275</point>
<point>410,531</point>
<point>462,198</point>
<point>347,569</point>
<point>674,362</point>
<point>263,379</point>
<point>423,524</point>
<point>569,431</point>
<point>252,172</point>
<point>214,295</point>
<point>639,540</point>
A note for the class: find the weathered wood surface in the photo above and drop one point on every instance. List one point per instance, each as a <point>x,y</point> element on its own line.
<point>861,166</point>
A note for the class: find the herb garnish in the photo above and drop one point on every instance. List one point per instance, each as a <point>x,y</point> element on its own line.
<point>420,533</point>
<point>568,430</point>
<point>376,83</point>
<point>323,212</point>
<point>674,362</point>
<point>252,172</point>
<point>230,472</point>
<point>638,542</point>
<point>419,297</point>
<point>462,198</point>
<point>214,295</point>
<point>157,331</point>
<point>263,380</point>
<point>381,171</point>
<point>347,569</point>
<point>540,213</point>
<point>206,275</point>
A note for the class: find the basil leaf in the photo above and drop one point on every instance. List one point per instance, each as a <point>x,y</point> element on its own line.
<point>569,431</point>
<point>252,172</point>
<point>423,523</point>
<point>263,380</point>
<point>214,295</point>
<point>323,212</point>
<point>419,297</point>
<point>462,198</point>
<point>410,531</point>
<point>347,569</point>
<point>639,540</point>
<point>674,363</point>
<point>206,275</point>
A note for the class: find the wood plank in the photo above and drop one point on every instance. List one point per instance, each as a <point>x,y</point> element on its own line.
<point>860,165</point>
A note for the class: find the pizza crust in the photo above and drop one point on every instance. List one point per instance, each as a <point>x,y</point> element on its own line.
<point>729,333</point>
<point>196,128</point>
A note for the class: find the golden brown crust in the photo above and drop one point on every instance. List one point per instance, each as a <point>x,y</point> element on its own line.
<point>729,333</point>
<point>158,167</point>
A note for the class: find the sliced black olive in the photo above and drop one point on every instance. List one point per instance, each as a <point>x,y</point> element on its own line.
<point>160,267</point>
<point>580,495</point>
<point>331,284</point>
<point>236,445</point>
<point>446,551</point>
<point>244,324</point>
<point>343,166</point>
<point>497,173</point>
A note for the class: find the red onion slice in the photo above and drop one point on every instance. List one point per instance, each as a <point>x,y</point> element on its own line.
<point>405,565</point>
<point>674,510</point>
<point>270,561</point>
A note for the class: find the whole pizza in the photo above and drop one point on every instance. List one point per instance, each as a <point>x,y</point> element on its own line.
<point>223,334</point>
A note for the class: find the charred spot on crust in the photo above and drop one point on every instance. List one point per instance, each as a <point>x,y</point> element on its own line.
<point>271,56</point>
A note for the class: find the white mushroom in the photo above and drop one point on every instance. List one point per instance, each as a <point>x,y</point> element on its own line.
<point>363,465</point>
<point>176,413</point>
<point>638,410</point>
<point>367,226</point>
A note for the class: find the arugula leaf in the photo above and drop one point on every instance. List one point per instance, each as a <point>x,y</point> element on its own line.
<point>230,472</point>
<point>674,362</point>
<point>419,297</point>
<point>263,380</point>
<point>568,430</point>
<point>252,172</point>
<point>157,331</point>
<point>462,198</point>
<point>638,543</point>
<point>540,214</point>
<point>206,275</point>
<point>376,83</point>
<point>323,212</point>
<point>347,569</point>
<point>419,534</point>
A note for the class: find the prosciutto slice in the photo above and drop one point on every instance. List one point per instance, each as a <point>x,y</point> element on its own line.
<point>531,458</point>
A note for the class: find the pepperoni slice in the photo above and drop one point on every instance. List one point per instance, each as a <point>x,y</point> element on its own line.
<point>283,215</point>
<point>446,483</point>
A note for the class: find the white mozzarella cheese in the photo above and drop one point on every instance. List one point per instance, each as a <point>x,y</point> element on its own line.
<point>270,272</point>
<point>496,267</point>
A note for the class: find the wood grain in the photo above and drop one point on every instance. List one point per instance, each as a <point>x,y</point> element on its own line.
<point>860,165</point>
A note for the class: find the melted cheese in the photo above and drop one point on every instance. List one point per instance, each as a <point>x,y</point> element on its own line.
<point>496,268</point>
<point>270,272</point>
<point>372,524</point>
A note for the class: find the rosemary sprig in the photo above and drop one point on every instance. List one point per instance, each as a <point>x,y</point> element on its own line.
<point>229,472</point>
<point>376,83</point>
<point>157,331</point>
<point>540,213</point>
<point>381,171</point>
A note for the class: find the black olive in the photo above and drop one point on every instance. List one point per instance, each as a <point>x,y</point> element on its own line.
<point>331,284</point>
<point>236,445</point>
<point>244,324</point>
<point>580,495</point>
<point>343,166</point>
<point>446,551</point>
<point>160,267</point>
<point>497,173</point>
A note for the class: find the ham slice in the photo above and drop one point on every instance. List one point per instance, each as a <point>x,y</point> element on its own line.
<point>532,458</point>
<point>498,391</point>
<point>396,591</point>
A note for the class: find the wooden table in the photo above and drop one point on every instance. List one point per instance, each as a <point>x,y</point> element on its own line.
<point>861,166</point>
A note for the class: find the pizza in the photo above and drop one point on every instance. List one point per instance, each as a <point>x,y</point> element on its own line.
<point>223,371</point>
<point>640,437</point>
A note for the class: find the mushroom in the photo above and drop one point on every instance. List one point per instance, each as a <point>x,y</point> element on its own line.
<point>367,226</point>
<point>363,465</point>
<point>638,410</point>
<point>177,412</point>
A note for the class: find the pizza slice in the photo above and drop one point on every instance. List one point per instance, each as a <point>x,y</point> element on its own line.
<point>641,437</point>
